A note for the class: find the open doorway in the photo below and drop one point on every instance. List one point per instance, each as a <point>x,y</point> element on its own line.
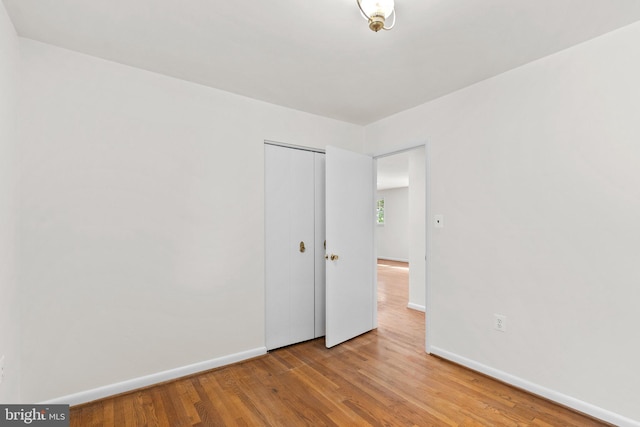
<point>400,240</point>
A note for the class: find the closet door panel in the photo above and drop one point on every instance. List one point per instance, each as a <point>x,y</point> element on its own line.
<point>277,251</point>
<point>302,247</point>
<point>289,269</point>
<point>320,238</point>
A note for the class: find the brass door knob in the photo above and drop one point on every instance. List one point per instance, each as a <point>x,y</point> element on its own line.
<point>334,257</point>
<point>302,248</point>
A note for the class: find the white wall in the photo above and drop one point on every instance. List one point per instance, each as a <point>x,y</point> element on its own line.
<point>393,236</point>
<point>537,174</point>
<point>142,219</point>
<point>417,244</point>
<point>9,308</point>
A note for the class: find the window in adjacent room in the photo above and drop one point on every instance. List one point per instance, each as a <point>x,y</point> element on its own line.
<point>380,212</point>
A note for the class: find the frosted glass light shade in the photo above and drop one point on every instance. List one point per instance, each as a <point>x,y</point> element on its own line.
<point>377,8</point>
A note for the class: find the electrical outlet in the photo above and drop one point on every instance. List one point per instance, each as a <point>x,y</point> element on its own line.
<point>500,322</point>
<point>1,368</point>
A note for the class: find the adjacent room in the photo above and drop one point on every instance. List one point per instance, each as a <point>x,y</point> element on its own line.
<point>142,281</point>
<point>400,217</point>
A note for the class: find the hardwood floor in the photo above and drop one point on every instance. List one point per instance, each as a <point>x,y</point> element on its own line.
<point>379,378</point>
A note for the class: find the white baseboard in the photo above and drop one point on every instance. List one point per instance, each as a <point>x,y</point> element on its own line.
<point>417,307</point>
<point>147,380</point>
<point>539,390</point>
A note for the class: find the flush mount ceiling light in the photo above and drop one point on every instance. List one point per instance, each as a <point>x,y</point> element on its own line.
<point>377,12</point>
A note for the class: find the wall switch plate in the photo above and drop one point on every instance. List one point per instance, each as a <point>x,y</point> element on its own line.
<point>500,322</point>
<point>438,221</point>
<point>1,368</point>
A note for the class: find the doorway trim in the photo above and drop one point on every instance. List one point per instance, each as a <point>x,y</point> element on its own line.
<point>427,228</point>
<point>293,146</point>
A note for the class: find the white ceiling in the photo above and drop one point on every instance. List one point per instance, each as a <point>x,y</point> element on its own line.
<point>320,56</point>
<point>393,171</point>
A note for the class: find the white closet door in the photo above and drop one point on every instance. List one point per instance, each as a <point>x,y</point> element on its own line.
<point>351,288</point>
<point>320,236</point>
<point>289,224</point>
